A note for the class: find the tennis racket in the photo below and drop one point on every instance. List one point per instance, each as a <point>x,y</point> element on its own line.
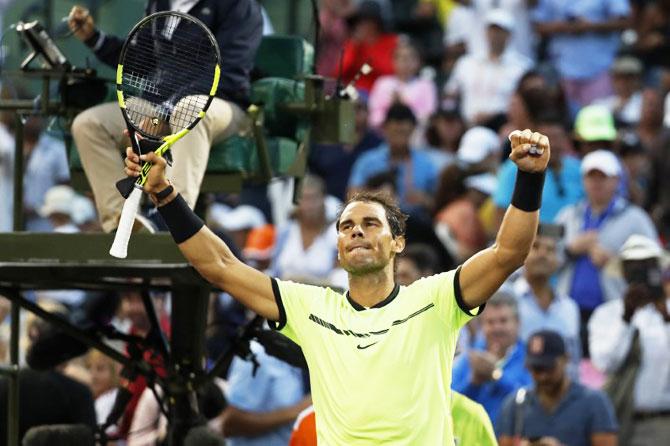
<point>167,76</point>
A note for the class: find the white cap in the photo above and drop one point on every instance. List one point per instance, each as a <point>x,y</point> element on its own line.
<point>639,247</point>
<point>58,200</point>
<point>484,182</point>
<point>477,144</point>
<point>83,210</point>
<point>603,161</point>
<point>500,17</point>
<point>235,219</point>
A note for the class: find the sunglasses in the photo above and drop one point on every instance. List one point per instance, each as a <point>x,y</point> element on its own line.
<point>541,368</point>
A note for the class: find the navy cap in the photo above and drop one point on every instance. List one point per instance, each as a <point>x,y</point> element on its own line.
<point>543,348</point>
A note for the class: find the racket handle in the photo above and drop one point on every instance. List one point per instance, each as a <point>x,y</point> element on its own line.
<point>119,248</point>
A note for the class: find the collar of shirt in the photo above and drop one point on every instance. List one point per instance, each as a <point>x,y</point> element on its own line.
<point>523,289</point>
<point>574,392</point>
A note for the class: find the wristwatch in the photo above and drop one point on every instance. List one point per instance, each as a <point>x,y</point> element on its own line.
<point>162,195</point>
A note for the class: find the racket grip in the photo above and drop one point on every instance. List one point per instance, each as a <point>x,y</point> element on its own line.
<point>119,248</point>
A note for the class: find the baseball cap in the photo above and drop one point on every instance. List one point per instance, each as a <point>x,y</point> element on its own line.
<point>476,144</point>
<point>501,18</point>
<point>627,65</point>
<point>639,247</point>
<point>595,123</point>
<point>260,243</point>
<point>485,183</point>
<point>58,200</point>
<point>603,161</point>
<point>83,210</point>
<point>543,348</point>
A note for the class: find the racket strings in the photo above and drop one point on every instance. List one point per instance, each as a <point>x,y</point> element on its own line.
<point>168,73</point>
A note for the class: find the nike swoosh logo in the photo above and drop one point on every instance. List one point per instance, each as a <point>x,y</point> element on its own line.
<point>365,346</point>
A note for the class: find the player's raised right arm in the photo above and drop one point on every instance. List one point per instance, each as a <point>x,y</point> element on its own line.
<point>201,247</point>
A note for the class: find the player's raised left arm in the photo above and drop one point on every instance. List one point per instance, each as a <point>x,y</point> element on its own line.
<point>482,274</point>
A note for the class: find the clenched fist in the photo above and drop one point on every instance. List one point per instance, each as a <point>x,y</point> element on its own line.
<point>530,150</point>
<point>81,23</point>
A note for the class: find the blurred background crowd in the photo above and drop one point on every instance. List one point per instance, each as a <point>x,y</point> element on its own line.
<point>449,81</point>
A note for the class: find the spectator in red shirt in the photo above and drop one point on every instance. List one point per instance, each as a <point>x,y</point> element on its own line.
<point>368,43</point>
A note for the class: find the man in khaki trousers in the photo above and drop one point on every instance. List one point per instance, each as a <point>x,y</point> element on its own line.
<point>98,131</point>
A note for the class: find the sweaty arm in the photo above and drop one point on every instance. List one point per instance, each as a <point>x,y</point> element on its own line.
<point>241,423</point>
<point>484,273</point>
<point>202,248</point>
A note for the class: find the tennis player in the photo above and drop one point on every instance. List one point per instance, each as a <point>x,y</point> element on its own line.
<point>379,356</point>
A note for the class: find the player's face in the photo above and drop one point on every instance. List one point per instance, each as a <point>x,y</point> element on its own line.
<point>364,240</point>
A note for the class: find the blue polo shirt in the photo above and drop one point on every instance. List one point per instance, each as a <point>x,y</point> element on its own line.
<point>582,56</point>
<point>274,385</point>
<point>581,413</point>
<point>492,394</point>
<point>560,188</point>
<point>418,172</point>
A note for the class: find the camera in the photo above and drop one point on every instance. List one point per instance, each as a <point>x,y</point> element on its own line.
<point>645,272</point>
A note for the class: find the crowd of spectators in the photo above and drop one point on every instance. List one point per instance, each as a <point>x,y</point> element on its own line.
<point>449,80</point>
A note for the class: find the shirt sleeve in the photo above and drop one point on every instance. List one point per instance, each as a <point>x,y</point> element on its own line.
<point>61,166</point>
<point>380,100</point>
<point>453,85</point>
<point>294,301</point>
<point>444,291</point>
<point>542,12</point>
<point>618,8</point>
<point>610,338</point>
<point>505,421</point>
<point>241,382</point>
<point>359,172</point>
<point>603,419</point>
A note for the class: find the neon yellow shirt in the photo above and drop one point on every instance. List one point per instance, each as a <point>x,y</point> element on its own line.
<point>380,375</point>
<point>472,425</point>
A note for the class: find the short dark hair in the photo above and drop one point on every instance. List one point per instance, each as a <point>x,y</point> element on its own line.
<point>387,177</point>
<point>399,112</point>
<point>423,255</point>
<point>396,219</point>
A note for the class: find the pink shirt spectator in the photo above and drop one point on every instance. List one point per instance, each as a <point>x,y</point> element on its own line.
<point>419,94</point>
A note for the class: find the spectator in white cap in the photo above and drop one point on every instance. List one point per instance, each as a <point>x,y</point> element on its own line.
<point>626,101</point>
<point>58,208</point>
<point>642,318</point>
<point>84,214</point>
<point>306,248</point>
<point>479,150</point>
<point>484,82</point>
<point>237,221</point>
<point>595,229</point>
<point>466,24</point>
